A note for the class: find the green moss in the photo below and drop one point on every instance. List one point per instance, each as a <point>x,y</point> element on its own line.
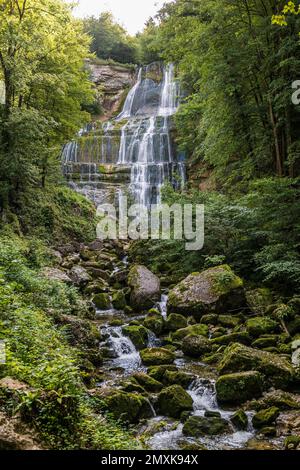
<point>138,335</point>
<point>157,356</point>
<point>174,400</point>
<point>190,330</point>
<point>239,387</point>
<point>265,417</point>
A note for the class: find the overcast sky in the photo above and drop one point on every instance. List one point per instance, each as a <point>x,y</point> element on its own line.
<point>132,14</point>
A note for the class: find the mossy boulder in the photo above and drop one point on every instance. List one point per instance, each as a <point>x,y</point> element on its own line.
<point>210,319</point>
<point>175,322</point>
<point>145,287</point>
<point>198,426</point>
<point>292,442</point>
<point>174,400</point>
<point>240,420</point>
<point>240,358</point>
<point>137,334</point>
<point>195,345</point>
<point>179,335</point>
<point>158,372</point>
<point>215,290</point>
<point>278,398</point>
<point>239,387</point>
<point>240,337</point>
<point>102,301</point>
<point>177,378</point>
<point>119,300</point>
<point>147,382</point>
<point>265,341</point>
<point>229,321</point>
<point>128,407</point>
<point>157,356</point>
<point>260,326</point>
<point>154,322</point>
<point>265,417</point>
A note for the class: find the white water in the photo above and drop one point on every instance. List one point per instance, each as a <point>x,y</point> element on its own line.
<point>127,357</point>
<point>127,109</point>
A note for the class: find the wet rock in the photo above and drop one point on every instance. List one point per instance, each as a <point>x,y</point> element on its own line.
<point>201,330</point>
<point>157,356</point>
<point>268,431</point>
<point>214,290</point>
<point>172,401</point>
<point>239,387</point>
<point>240,420</point>
<point>261,325</point>
<point>102,301</point>
<point>128,407</point>
<point>138,335</point>
<point>212,414</point>
<point>158,372</point>
<point>154,322</point>
<point>197,426</point>
<point>260,445</point>
<point>55,274</point>
<point>195,346</point>
<point>80,277</point>
<point>238,357</point>
<point>177,378</point>
<point>175,322</point>
<point>119,300</point>
<point>265,417</point>
<point>147,382</point>
<point>145,287</point>
<point>292,442</point>
<point>239,337</point>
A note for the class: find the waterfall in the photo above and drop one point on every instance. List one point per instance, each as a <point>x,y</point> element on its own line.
<point>126,354</point>
<point>170,92</point>
<point>127,109</point>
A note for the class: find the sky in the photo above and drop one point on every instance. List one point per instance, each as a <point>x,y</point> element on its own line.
<point>132,14</point>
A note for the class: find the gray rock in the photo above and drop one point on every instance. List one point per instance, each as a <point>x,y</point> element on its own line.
<point>79,276</point>
<point>145,287</point>
<point>55,274</point>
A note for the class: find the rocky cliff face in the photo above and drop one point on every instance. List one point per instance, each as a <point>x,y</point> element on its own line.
<point>113,83</point>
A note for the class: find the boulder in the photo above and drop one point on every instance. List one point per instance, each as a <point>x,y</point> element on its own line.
<point>215,290</point>
<point>239,358</point>
<point>174,400</point>
<point>240,420</point>
<point>128,407</point>
<point>292,442</point>
<point>145,287</point>
<point>179,335</point>
<point>260,326</point>
<point>239,337</point>
<point>228,321</point>
<point>138,335</point>
<point>154,322</point>
<point>157,356</point>
<point>282,400</point>
<point>175,322</point>
<point>210,319</point>
<point>55,274</point>
<point>80,277</point>
<point>239,387</point>
<point>119,300</point>
<point>177,378</point>
<point>158,372</point>
<point>195,345</point>
<point>265,417</point>
<point>266,341</point>
<point>198,426</point>
<point>147,382</point>
<point>102,301</point>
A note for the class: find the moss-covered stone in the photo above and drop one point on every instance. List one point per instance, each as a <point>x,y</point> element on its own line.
<point>158,372</point>
<point>265,417</point>
<point>238,357</point>
<point>229,321</point>
<point>197,426</point>
<point>177,378</point>
<point>172,401</point>
<point>154,322</point>
<point>239,387</point>
<point>102,301</point>
<point>240,337</point>
<point>157,356</point>
<point>260,326</point>
<point>265,341</point>
<point>240,420</point>
<point>137,334</point>
<point>292,442</point>
<point>215,290</point>
<point>195,345</point>
<point>119,300</point>
<point>128,407</point>
<point>179,335</point>
<point>210,319</point>
<point>175,322</point>
<point>148,382</point>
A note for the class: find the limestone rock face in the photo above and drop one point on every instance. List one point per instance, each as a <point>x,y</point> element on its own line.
<point>214,290</point>
<point>145,287</point>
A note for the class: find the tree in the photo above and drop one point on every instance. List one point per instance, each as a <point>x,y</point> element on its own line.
<point>42,52</point>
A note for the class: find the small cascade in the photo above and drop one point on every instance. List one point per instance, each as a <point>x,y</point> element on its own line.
<point>162,305</point>
<point>125,353</point>
<point>170,93</point>
<point>127,109</point>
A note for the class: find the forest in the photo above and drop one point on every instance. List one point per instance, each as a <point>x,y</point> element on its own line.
<point>236,130</point>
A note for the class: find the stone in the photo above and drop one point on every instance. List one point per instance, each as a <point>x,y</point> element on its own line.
<point>215,290</point>
<point>268,431</point>
<point>102,301</point>
<point>177,378</point>
<point>158,372</point>
<point>240,420</point>
<point>147,382</point>
<point>119,300</point>
<point>154,322</point>
<point>239,387</point>
<point>212,414</point>
<point>145,287</point>
<point>261,325</point>
<point>175,322</point>
<point>195,345</point>
<point>292,442</point>
<point>228,321</point>
<point>174,400</point>
<point>15,435</point>
<point>138,335</point>
<point>80,277</point>
<point>179,335</point>
<point>239,358</point>
<point>265,417</point>
<point>157,356</point>
<point>239,337</point>
<point>54,274</point>
<point>198,426</point>
<point>278,398</point>
<point>265,341</point>
<point>210,319</point>
<point>128,407</point>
